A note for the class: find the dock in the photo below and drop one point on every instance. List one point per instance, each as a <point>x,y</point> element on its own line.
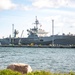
<point>40,46</point>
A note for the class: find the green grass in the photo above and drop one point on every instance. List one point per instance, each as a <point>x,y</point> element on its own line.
<point>40,73</point>
<point>10,72</point>
<point>49,73</point>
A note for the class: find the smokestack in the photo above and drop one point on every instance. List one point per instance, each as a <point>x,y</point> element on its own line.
<point>53,32</point>
<point>13,30</point>
<point>52,27</point>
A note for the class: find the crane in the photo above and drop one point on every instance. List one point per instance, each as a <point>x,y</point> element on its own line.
<point>20,37</point>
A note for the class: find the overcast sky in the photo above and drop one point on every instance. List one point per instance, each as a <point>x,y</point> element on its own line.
<point>22,14</point>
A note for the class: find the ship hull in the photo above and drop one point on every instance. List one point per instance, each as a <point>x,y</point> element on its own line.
<point>56,39</point>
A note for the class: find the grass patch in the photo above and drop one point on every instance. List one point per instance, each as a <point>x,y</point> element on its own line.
<point>10,72</point>
<point>49,73</point>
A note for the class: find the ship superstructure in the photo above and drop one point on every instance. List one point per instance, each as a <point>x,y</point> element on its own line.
<point>36,31</point>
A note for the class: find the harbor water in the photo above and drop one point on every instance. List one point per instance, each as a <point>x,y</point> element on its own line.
<point>49,59</point>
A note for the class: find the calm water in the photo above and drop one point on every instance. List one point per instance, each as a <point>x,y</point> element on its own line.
<point>50,59</point>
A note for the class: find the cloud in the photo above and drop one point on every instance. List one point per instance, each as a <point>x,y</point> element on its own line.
<point>63,20</point>
<point>53,3</point>
<point>7,4</point>
<point>23,7</point>
<point>41,3</point>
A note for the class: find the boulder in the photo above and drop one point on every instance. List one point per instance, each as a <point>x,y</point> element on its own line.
<point>20,67</point>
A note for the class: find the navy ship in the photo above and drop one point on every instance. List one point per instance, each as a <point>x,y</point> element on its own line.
<point>36,36</point>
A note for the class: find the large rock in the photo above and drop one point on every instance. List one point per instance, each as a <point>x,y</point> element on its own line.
<point>23,68</point>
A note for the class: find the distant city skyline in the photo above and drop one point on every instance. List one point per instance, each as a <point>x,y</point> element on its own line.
<point>22,14</point>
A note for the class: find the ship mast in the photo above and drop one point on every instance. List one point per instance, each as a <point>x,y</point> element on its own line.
<point>36,22</point>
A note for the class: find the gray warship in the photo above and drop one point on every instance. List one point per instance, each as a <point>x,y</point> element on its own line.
<point>36,36</point>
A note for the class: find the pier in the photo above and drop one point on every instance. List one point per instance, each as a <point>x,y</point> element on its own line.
<point>40,46</point>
